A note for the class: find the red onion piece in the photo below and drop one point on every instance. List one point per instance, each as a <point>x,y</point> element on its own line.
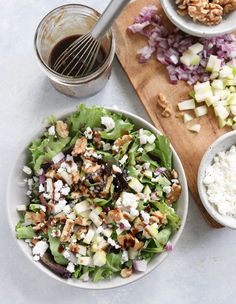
<point>140,265</point>
<point>169,47</point>
<point>42,179</point>
<point>169,247</point>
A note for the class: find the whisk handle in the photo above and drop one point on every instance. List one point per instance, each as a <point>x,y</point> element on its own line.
<point>108,17</point>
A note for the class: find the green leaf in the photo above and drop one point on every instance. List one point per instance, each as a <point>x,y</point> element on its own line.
<point>54,244</point>
<point>78,272</point>
<point>35,207</point>
<point>114,262</point>
<point>24,232</point>
<point>172,217</point>
<point>163,151</point>
<point>43,150</point>
<point>163,236</point>
<point>121,127</point>
<point>101,273</point>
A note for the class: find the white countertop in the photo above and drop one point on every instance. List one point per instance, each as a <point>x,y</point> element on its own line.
<point>202,267</point>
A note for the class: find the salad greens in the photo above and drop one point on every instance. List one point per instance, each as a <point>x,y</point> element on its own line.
<point>101,196</point>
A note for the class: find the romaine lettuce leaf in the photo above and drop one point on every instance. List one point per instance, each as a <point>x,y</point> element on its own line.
<point>54,245</point>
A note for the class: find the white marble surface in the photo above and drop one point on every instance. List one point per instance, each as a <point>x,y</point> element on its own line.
<point>202,267</point>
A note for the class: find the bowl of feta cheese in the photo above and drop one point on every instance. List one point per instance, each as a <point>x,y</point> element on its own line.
<point>217,180</point>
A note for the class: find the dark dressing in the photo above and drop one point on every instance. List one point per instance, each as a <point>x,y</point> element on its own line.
<point>61,46</point>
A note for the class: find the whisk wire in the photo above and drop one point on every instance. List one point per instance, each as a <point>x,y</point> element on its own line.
<point>69,51</point>
<point>89,61</point>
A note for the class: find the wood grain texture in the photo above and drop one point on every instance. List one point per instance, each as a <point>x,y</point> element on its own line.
<point>149,80</point>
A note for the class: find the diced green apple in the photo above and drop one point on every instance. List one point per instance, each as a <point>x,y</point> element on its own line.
<point>99,258</point>
<point>214,64</point>
<point>196,48</point>
<point>135,184</point>
<point>188,104</point>
<point>200,111</point>
<point>226,72</point>
<point>81,207</point>
<point>221,111</point>
<point>195,128</point>
<point>218,84</point>
<point>187,118</point>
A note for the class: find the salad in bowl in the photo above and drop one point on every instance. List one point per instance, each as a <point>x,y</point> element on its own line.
<point>102,197</point>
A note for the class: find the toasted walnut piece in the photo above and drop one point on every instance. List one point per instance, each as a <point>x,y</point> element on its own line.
<point>115,215</point>
<point>126,272</point>
<point>138,245</point>
<point>75,195</point>
<point>127,216</point>
<point>81,232</point>
<point>97,139</point>
<point>80,146</point>
<point>67,230</point>
<point>35,217</point>
<point>125,139</point>
<point>174,194</point>
<point>162,101</point>
<point>92,168</point>
<point>62,129</point>
<point>75,177</point>
<point>74,248</point>
<point>60,217</point>
<point>138,226</point>
<point>82,221</point>
<point>157,217</point>
<point>50,173</point>
<point>107,187</point>
<point>34,241</point>
<point>210,14</point>
<point>39,226</point>
<point>126,241</point>
<point>174,174</point>
<point>168,111</point>
<point>179,114</point>
<point>228,5</point>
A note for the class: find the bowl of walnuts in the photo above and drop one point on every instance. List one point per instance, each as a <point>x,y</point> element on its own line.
<point>202,18</point>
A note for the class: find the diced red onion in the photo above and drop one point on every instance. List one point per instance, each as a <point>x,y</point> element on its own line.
<point>140,265</point>
<point>169,247</point>
<point>58,158</point>
<point>122,226</point>
<point>42,179</point>
<point>169,47</point>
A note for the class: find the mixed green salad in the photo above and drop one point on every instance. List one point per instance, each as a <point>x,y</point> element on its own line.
<point>101,196</point>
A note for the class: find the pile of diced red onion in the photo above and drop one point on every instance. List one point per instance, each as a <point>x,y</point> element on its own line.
<point>169,47</point>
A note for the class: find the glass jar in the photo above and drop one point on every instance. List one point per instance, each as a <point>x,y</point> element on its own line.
<point>65,21</point>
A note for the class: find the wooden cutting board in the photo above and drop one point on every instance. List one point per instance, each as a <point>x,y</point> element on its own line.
<point>149,80</point>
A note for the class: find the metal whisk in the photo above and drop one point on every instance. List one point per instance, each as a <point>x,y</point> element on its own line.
<point>83,52</point>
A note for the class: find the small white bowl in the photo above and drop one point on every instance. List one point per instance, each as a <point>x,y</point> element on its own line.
<point>223,143</point>
<point>16,194</point>
<point>186,23</point>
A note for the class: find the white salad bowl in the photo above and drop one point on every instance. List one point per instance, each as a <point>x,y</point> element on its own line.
<point>223,143</point>
<point>186,23</point>
<point>16,195</point>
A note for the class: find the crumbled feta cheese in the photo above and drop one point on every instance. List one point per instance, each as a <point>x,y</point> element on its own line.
<point>106,146</point>
<point>167,189</point>
<point>55,233</point>
<point>21,207</point>
<point>87,165</point>
<point>28,193</point>
<point>59,206</point>
<point>175,181</point>
<point>155,225</point>
<point>126,224</point>
<point>67,209</point>
<point>140,150</point>
<point>124,256</point>
<point>134,212</point>
<point>99,230</point>
<point>43,208</point>
<point>57,196</point>
<point>115,148</point>
<point>66,254</point>
<point>58,185</point>
<point>70,267</point>
<point>65,190</point>
<point>129,199</point>
<point>40,248</point>
<point>51,130</point>
<point>58,157</point>
<point>146,166</point>
<point>36,258</point>
<point>113,243</point>
<point>27,170</point>
<point>124,159</point>
<point>108,122</point>
<point>116,169</point>
<point>145,216</point>
<point>144,138</point>
<point>156,179</point>
<point>88,133</point>
<point>41,188</point>
<point>30,183</point>
<point>220,182</point>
